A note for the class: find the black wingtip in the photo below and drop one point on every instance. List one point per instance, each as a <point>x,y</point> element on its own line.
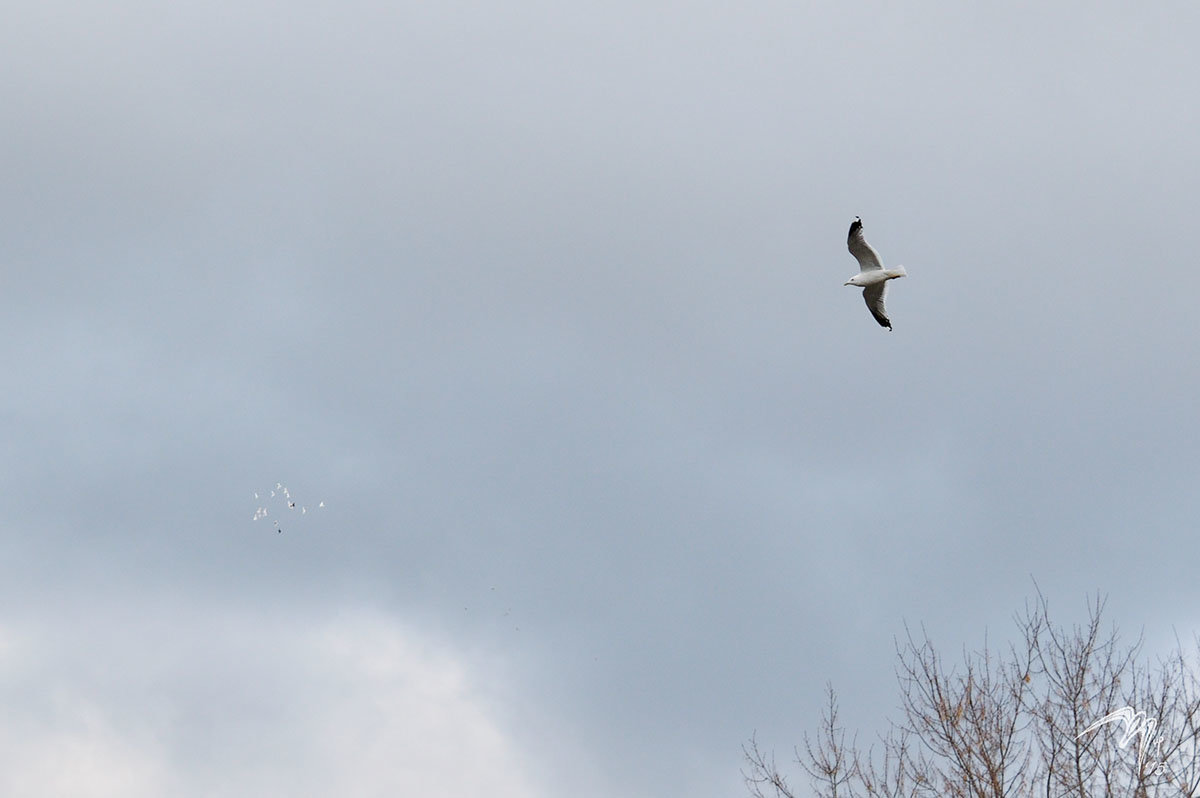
<point>855,229</point>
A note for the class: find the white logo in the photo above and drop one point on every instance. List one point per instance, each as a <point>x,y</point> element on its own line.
<point>1135,724</point>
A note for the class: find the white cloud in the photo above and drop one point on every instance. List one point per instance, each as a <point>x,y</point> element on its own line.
<point>77,752</point>
<point>239,704</point>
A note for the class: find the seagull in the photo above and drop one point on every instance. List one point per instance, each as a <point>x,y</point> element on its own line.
<point>872,278</point>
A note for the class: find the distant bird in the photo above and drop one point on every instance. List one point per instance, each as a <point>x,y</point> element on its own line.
<point>872,277</point>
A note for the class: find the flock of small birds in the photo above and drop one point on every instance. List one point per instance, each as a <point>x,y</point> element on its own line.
<point>507,610</point>
<point>282,496</point>
<point>278,502</point>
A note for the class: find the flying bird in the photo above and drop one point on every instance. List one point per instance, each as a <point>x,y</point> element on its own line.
<point>872,277</point>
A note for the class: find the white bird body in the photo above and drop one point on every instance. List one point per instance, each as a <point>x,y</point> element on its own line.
<point>872,277</point>
<point>876,276</point>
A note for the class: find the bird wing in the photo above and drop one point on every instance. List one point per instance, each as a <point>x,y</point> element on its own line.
<point>874,296</point>
<point>863,252</point>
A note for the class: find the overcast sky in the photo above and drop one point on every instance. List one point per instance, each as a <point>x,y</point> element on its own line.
<point>544,302</point>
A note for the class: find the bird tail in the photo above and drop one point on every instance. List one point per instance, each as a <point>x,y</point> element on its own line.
<point>897,272</point>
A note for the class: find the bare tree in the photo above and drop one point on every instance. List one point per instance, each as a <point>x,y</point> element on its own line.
<point>1064,713</point>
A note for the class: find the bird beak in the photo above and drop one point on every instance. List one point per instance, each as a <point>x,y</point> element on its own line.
<point>847,283</point>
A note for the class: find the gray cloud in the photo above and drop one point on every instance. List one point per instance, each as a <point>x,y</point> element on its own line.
<point>544,302</point>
